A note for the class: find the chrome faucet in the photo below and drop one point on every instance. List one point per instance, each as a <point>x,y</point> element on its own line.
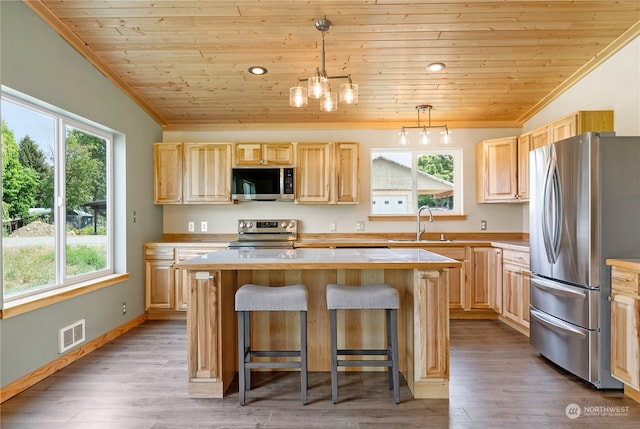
<point>420,229</point>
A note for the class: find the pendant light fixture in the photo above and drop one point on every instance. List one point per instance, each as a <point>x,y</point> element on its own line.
<point>318,85</point>
<point>425,130</point>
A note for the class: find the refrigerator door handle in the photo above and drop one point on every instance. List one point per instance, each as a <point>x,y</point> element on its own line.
<point>552,210</point>
<point>556,324</point>
<point>556,288</point>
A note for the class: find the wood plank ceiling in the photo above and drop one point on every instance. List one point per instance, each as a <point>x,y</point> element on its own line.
<point>185,62</point>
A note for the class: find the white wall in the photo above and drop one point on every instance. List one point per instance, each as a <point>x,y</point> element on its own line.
<point>316,218</point>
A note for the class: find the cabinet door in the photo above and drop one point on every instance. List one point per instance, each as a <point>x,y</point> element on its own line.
<point>511,304</point>
<point>181,279</point>
<point>278,154</point>
<point>524,147</point>
<point>624,339</point>
<point>313,167</point>
<point>564,128</point>
<point>497,168</point>
<point>167,158</point>
<point>346,173</point>
<point>207,173</point>
<point>159,283</point>
<point>495,282</point>
<point>247,154</point>
<point>482,276</point>
<point>540,137</point>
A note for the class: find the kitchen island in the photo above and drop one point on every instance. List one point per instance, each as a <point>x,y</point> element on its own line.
<point>421,278</point>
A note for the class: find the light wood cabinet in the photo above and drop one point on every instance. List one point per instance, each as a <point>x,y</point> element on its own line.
<point>496,170</point>
<point>495,283</point>
<point>280,154</point>
<point>625,334</point>
<point>166,293</point>
<point>192,173</point>
<point>484,275</point>
<point>327,173</point>
<point>515,288</point>
<point>167,158</point>
<point>457,276</point>
<point>207,173</point>
<point>524,146</point>
<point>571,125</point>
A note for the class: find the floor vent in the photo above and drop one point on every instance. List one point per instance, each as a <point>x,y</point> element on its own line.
<point>70,336</point>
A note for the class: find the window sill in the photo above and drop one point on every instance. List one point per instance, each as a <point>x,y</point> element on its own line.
<point>34,302</point>
<point>436,218</point>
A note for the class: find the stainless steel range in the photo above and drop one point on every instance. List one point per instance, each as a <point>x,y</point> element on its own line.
<point>266,234</point>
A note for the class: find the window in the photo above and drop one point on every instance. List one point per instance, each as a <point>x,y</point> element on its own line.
<point>56,199</point>
<point>402,180</point>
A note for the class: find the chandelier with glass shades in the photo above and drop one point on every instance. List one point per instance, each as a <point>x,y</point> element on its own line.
<point>318,86</point>
<point>426,130</point>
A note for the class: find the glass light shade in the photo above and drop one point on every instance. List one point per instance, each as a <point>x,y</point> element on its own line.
<point>318,86</point>
<point>349,93</point>
<point>444,138</point>
<point>426,136</point>
<point>403,137</point>
<point>298,96</point>
<point>329,102</point>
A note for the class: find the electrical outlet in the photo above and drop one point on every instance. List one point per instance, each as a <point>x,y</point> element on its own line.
<point>483,225</point>
<point>203,226</point>
<point>134,217</point>
<point>124,308</point>
<point>191,226</point>
<point>333,225</point>
<point>360,226</point>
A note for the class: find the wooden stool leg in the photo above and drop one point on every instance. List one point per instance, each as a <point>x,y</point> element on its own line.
<point>303,356</point>
<point>334,356</point>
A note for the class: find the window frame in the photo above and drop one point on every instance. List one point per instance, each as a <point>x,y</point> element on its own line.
<point>415,152</point>
<point>63,283</point>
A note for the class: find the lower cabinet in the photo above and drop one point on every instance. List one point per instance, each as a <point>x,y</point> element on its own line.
<point>457,276</point>
<point>625,334</point>
<point>165,293</point>
<point>515,289</point>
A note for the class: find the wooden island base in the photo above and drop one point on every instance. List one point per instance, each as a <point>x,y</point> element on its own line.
<point>423,320</point>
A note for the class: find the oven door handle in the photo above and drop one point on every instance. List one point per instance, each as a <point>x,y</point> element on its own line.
<point>556,324</point>
<point>555,288</point>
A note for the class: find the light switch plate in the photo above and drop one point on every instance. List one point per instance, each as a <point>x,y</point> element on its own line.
<point>191,226</point>
<point>203,226</point>
<point>360,226</point>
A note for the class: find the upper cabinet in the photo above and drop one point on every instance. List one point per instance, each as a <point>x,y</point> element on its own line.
<point>496,170</point>
<point>280,154</point>
<point>502,165</point>
<point>192,173</point>
<point>167,159</point>
<point>207,177</point>
<point>571,125</point>
<point>327,173</point>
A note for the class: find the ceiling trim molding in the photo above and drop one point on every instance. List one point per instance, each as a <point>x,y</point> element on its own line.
<point>79,45</point>
<point>592,64</point>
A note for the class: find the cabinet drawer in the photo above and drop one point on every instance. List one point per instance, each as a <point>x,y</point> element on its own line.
<point>158,252</point>
<point>625,280</point>
<point>457,253</point>
<point>516,257</point>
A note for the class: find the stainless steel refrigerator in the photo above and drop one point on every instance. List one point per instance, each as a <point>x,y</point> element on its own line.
<point>584,208</point>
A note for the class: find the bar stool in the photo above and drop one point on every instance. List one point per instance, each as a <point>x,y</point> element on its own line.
<point>264,298</point>
<point>379,296</point>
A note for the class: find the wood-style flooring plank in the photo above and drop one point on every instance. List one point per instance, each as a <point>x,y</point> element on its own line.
<point>139,381</point>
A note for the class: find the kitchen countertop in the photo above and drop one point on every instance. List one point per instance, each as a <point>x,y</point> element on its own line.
<point>319,259</point>
<point>632,264</point>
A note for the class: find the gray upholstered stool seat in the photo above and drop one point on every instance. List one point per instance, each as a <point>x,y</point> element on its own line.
<point>370,297</point>
<point>265,298</point>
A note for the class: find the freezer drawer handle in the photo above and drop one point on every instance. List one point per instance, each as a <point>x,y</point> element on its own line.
<point>556,324</point>
<point>556,289</point>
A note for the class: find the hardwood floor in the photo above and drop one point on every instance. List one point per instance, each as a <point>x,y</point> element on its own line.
<point>139,381</point>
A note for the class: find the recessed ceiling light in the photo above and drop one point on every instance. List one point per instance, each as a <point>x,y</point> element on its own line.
<point>257,70</point>
<point>435,67</point>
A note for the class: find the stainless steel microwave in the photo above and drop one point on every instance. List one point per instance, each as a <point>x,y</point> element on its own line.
<point>262,184</point>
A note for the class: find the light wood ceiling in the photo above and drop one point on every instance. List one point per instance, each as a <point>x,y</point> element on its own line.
<point>185,62</point>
